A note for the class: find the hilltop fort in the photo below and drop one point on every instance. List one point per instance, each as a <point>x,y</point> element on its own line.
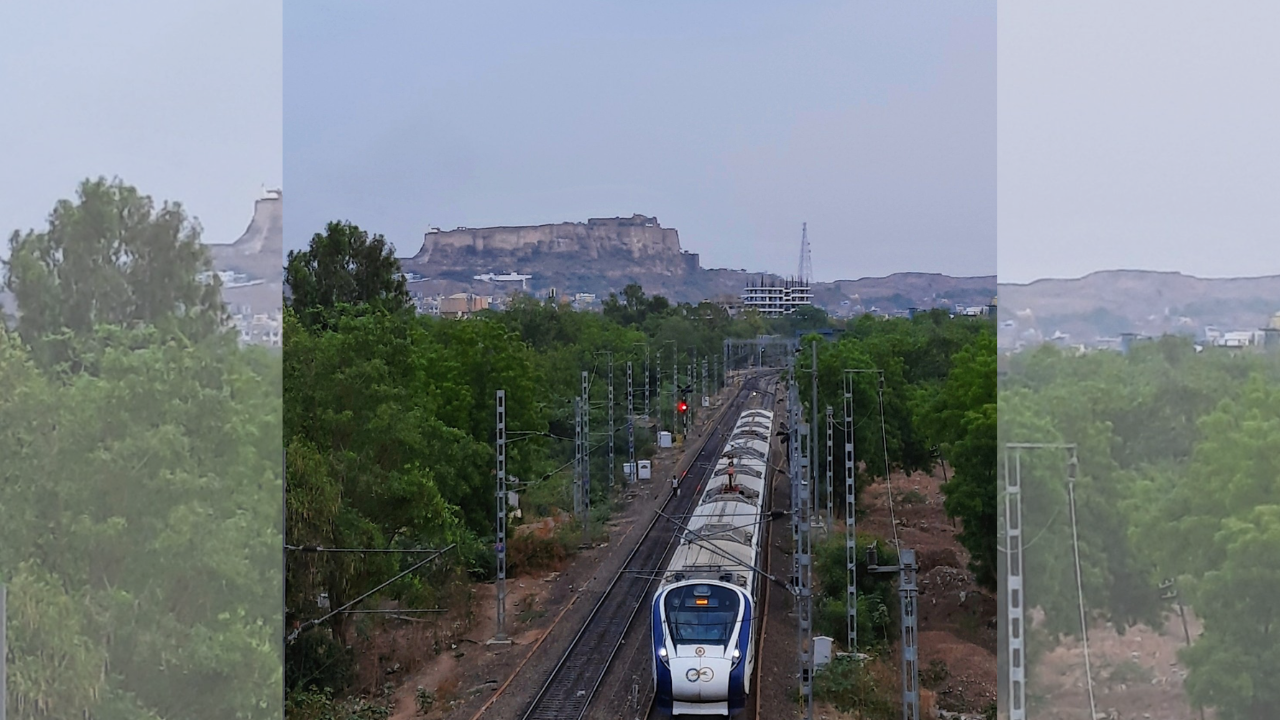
<point>600,251</point>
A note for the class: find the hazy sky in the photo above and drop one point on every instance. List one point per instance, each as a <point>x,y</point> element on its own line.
<point>180,98</point>
<point>1139,134</point>
<point>733,122</point>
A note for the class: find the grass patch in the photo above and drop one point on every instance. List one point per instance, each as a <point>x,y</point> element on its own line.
<point>864,688</point>
<point>1129,672</point>
<point>935,675</point>
<point>913,497</point>
<point>528,616</point>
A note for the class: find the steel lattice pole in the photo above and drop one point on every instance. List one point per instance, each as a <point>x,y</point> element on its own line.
<point>501,634</point>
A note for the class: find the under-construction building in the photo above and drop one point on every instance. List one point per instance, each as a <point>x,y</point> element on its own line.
<point>777,297</point>
<point>781,297</point>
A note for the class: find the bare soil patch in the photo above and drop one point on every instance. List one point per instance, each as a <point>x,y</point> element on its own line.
<point>1135,675</point>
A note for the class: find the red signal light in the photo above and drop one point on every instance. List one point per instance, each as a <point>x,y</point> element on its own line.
<point>682,406</point>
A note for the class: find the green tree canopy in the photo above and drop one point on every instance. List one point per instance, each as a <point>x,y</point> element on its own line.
<point>110,258</point>
<point>344,265</point>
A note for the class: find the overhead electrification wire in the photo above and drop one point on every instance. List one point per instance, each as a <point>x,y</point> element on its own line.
<point>888,483</point>
<point>312,623</point>
<point>1084,630</point>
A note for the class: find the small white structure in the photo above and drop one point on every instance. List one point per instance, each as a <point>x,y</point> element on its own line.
<point>645,470</point>
<point>706,401</point>
<point>664,439</point>
<point>821,651</point>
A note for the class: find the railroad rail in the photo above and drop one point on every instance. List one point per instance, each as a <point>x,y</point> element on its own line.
<point>571,686</point>
<point>752,711</point>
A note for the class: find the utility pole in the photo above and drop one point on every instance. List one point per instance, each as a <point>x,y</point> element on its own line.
<point>1169,591</point>
<point>631,428</point>
<point>690,380</point>
<point>586,459</point>
<point>4,652</point>
<point>831,471</point>
<point>1014,608</point>
<point>658,389</point>
<point>850,518</point>
<point>612,465</point>
<point>812,477</point>
<point>501,635</point>
<point>647,416</point>
<point>800,494</point>
<point>907,594</point>
<point>675,389</point>
<point>704,379</point>
<point>577,456</point>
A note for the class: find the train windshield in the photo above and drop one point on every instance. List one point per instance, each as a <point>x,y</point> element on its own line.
<point>702,614</point>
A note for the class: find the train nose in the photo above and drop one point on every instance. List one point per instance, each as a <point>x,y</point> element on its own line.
<point>700,679</point>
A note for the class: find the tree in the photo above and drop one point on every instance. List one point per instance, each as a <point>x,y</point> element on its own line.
<point>111,258</point>
<point>140,515</point>
<point>963,419</point>
<point>344,265</point>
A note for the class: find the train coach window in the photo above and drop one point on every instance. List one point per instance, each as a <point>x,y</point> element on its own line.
<point>702,614</point>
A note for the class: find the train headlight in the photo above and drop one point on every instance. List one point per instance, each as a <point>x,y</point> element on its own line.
<point>662,655</point>
<point>737,657</point>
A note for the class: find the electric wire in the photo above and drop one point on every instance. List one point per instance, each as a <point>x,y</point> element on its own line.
<point>888,483</point>
<point>1084,631</point>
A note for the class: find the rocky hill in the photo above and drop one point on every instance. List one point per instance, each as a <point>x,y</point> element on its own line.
<point>259,251</point>
<point>257,255</point>
<point>603,255</point>
<point>1107,303</point>
<point>587,256</point>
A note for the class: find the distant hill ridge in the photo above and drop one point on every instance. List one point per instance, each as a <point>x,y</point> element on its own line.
<point>1109,302</point>
<point>603,255</point>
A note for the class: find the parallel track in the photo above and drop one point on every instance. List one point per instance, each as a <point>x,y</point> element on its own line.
<point>573,683</point>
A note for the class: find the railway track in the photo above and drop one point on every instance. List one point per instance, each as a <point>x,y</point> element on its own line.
<point>752,711</point>
<point>572,685</point>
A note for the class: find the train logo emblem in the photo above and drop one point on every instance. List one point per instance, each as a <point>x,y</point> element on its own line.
<point>699,652</point>
<point>694,674</point>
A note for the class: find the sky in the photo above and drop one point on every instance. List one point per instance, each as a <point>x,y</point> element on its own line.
<point>179,98</point>
<point>1138,135</point>
<point>733,122</point>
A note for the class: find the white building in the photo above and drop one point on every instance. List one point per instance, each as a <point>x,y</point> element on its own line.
<point>775,299</point>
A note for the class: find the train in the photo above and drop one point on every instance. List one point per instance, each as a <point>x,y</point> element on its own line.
<point>704,610</point>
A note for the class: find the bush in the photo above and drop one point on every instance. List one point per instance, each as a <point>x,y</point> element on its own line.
<point>532,553</point>
<point>877,594</point>
<point>316,660</point>
<point>320,705</point>
<point>853,687</point>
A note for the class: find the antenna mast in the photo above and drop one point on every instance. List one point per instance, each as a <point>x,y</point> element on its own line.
<point>806,260</point>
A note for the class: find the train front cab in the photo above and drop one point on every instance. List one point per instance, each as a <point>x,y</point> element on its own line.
<point>703,650</point>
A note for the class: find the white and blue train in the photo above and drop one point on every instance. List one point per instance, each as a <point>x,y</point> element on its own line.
<point>704,612</point>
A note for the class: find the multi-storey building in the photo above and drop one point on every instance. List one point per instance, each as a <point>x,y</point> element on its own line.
<point>775,298</point>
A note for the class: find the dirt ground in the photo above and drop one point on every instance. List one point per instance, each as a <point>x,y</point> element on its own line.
<point>957,620</point>
<point>957,632</point>
<point>1136,675</point>
<point>449,657</point>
